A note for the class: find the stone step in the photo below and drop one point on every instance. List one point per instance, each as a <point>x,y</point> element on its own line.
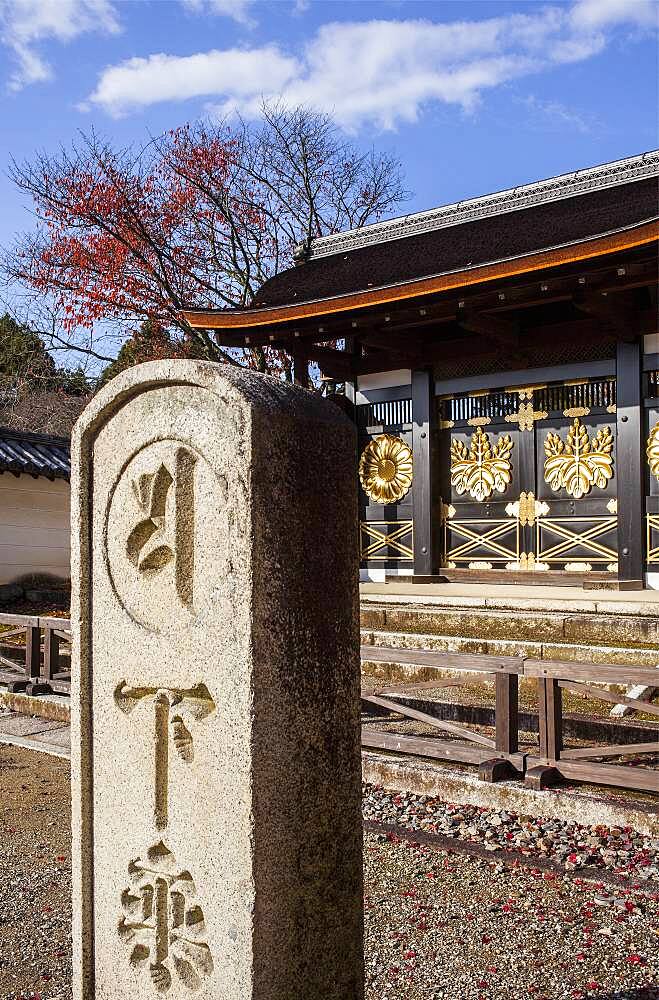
<point>496,647</point>
<point>528,626</point>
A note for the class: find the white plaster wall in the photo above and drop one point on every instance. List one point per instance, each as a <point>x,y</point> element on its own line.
<point>385,380</point>
<point>378,574</point>
<point>34,526</point>
<point>651,343</point>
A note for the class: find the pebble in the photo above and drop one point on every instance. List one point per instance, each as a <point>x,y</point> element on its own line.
<point>575,847</point>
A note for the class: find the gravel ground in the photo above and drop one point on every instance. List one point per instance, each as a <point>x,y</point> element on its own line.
<point>617,850</point>
<point>35,876</point>
<point>440,925</point>
<point>444,926</point>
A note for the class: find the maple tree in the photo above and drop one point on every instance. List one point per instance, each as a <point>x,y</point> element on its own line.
<point>197,218</point>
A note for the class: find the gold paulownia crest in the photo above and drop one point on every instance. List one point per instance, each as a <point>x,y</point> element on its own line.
<point>578,463</point>
<point>652,451</point>
<point>481,468</point>
<point>386,469</point>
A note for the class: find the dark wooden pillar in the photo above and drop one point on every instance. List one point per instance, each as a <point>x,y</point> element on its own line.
<point>301,371</point>
<point>351,348</point>
<point>422,395</point>
<point>629,459</point>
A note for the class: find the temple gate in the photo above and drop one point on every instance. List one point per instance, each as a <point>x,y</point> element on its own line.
<point>499,357</point>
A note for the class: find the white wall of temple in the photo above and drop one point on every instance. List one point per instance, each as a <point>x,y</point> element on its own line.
<point>34,527</point>
<point>378,574</point>
<point>385,380</point>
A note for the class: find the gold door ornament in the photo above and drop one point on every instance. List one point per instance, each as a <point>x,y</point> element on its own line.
<point>652,451</point>
<point>386,469</point>
<point>578,463</point>
<point>481,468</point>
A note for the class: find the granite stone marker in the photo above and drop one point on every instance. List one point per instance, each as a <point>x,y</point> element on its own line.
<point>216,789</point>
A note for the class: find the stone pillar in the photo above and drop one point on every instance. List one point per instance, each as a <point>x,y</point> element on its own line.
<point>216,762</point>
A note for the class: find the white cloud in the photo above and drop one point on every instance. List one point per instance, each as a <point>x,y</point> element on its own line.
<point>26,23</point>
<point>141,82</point>
<point>558,116</point>
<point>596,14</point>
<point>238,10</point>
<point>379,71</point>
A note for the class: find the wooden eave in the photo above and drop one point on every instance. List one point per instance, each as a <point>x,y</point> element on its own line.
<point>249,319</point>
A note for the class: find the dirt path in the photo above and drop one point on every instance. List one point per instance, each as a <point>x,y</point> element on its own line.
<point>35,876</point>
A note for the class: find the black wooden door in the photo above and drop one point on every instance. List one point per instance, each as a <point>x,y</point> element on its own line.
<point>386,522</point>
<point>529,478</point>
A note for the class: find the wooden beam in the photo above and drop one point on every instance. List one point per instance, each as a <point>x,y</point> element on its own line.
<point>405,315</point>
<point>330,361</point>
<point>607,309</point>
<point>493,328</point>
<point>394,342</point>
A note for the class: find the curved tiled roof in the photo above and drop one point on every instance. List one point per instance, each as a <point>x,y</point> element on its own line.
<point>604,175</point>
<point>34,454</point>
<point>463,245</point>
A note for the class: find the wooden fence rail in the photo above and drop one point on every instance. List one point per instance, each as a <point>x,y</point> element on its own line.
<point>501,757</point>
<point>35,657</point>
<point>35,654</point>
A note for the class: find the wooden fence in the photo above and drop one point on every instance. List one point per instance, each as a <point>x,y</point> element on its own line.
<point>35,654</point>
<point>35,657</point>
<point>501,757</point>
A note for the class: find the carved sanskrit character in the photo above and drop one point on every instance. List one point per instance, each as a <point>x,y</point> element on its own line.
<point>149,546</point>
<point>163,923</point>
<point>171,707</point>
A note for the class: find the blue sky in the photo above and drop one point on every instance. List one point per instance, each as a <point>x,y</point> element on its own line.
<point>473,97</point>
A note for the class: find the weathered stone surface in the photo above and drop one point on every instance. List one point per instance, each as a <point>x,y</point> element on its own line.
<point>416,640</point>
<point>614,630</point>
<point>540,604</point>
<point>601,654</point>
<point>216,770</point>
<point>477,623</point>
<point>372,617</point>
<point>514,632</point>
<point>502,647</point>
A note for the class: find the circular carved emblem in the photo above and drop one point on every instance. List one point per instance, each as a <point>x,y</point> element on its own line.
<point>163,505</point>
<point>386,469</point>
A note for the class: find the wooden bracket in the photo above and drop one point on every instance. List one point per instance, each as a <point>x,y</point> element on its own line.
<point>498,770</point>
<point>541,776</point>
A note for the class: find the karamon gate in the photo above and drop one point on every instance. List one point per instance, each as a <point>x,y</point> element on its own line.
<point>500,358</point>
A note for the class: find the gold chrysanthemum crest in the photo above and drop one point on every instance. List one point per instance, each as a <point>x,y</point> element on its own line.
<point>481,468</point>
<point>386,469</point>
<point>578,464</point>
<point>652,451</point>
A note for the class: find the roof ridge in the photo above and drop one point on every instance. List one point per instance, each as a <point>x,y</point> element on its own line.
<point>577,182</point>
<point>35,437</point>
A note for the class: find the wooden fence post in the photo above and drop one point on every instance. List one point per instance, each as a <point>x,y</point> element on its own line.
<point>506,738</point>
<point>32,652</point>
<point>550,724</point>
<point>51,643</point>
<point>506,732</point>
